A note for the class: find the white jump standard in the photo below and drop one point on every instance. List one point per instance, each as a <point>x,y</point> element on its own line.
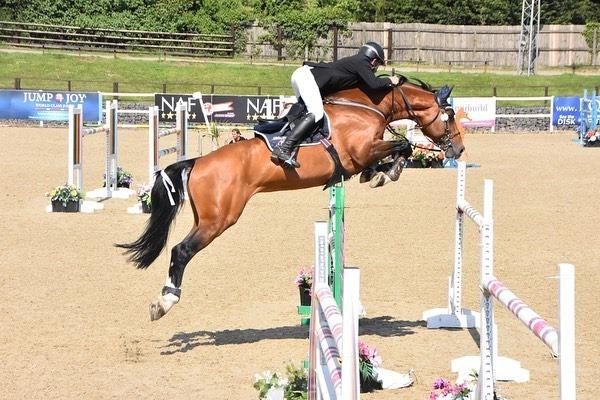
<point>454,316</point>
<point>154,135</point>
<point>491,367</point>
<point>154,150</point>
<point>110,129</point>
<point>333,332</point>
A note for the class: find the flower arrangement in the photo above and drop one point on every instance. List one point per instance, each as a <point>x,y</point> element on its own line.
<point>272,385</point>
<point>65,194</point>
<point>297,387</point>
<point>443,389</point>
<point>592,137</point>
<point>124,178</point>
<point>368,361</point>
<point>427,156</point>
<point>304,281</point>
<point>143,195</point>
<point>304,278</point>
<point>269,382</point>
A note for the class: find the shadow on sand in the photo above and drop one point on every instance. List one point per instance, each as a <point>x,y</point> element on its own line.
<point>183,342</point>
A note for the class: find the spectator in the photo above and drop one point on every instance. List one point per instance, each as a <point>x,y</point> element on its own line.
<point>236,136</point>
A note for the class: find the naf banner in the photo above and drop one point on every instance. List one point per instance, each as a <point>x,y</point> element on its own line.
<point>223,108</point>
<point>566,111</point>
<point>45,105</point>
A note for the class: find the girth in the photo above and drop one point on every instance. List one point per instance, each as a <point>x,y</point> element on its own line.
<point>339,172</point>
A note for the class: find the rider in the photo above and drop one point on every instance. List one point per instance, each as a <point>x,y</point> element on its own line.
<point>312,81</point>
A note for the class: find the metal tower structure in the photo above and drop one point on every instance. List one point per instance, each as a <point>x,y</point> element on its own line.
<point>530,28</point>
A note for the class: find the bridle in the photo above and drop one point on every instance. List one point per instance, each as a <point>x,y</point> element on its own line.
<point>445,113</point>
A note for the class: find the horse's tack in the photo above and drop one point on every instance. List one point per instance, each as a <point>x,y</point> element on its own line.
<point>352,103</point>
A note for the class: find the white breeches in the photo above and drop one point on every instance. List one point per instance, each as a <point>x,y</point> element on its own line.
<point>306,88</point>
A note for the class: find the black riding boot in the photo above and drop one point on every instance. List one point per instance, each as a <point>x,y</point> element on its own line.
<point>283,152</point>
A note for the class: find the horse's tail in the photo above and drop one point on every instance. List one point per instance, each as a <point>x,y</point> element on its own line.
<point>167,197</point>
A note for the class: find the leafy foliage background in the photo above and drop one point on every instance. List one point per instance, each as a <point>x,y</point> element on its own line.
<point>303,21</point>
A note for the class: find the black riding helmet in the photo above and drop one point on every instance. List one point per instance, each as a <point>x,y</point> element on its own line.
<point>373,51</point>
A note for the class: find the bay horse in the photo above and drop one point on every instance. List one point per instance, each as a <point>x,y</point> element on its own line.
<point>220,183</point>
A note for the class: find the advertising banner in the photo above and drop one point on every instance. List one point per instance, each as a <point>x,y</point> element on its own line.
<point>566,111</point>
<point>224,108</point>
<point>45,105</point>
<point>475,112</point>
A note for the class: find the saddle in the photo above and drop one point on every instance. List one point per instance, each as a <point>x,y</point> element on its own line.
<point>275,131</point>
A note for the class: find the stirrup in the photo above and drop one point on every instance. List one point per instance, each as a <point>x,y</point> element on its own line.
<point>291,163</point>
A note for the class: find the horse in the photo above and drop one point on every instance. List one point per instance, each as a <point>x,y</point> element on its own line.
<point>220,183</point>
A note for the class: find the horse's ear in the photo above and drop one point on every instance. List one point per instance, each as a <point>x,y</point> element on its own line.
<point>443,93</point>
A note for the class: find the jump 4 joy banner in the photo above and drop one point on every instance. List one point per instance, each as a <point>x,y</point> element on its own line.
<point>224,108</point>
<point>44,105</point>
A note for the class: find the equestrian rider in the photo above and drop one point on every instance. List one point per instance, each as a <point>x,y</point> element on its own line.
<point>312,81</point>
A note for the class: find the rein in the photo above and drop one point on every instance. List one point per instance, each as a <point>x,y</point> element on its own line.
<point>352,103</point>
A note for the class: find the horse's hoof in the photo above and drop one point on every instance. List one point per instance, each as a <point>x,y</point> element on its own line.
<point>156,311</point>
<point>366,175</point>
<point>377,180</point>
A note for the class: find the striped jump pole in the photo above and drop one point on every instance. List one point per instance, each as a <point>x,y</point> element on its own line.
<point>491,367</point>
<point>454,316</point>
<point>154,135</point>
<point>561,343</point>
<point>333,331</point>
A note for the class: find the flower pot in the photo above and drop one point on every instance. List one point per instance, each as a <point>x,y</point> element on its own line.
<point>70,206</point>
<point>304,296</point>
<point>437,163</point>
<point>123,185</point>
<point>414,164</point>
<point>368,385</point>
<point>146,209</point>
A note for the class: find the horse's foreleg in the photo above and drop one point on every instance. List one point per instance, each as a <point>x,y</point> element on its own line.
<point>381,174</point>
<point>181,254</point>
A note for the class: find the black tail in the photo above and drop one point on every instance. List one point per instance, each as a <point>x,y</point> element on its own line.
<point>148,247</point>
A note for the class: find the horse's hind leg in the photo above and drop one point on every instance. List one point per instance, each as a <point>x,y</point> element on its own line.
<point>181,254</point>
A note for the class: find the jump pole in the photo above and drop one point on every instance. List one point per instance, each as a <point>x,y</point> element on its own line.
<point>491,367</point>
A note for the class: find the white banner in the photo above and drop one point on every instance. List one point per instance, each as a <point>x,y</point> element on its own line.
<point>475,112</point>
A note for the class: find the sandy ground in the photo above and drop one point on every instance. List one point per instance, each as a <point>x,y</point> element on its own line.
<point>75,323</point>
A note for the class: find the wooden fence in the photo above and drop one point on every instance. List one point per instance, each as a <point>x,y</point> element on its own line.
<point>115,41</point>
<point>494,46</point>
<point>497,46</point>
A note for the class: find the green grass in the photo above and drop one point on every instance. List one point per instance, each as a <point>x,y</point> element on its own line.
<point>95,73</point>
